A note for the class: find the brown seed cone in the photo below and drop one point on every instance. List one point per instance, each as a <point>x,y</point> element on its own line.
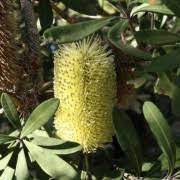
<point>20,66</point>
<point>32,40</point>
<point>12,73</point>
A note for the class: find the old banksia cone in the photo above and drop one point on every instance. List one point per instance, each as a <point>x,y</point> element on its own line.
<point>10,45</point>
<point>20,65</point>
<point>85,83</point>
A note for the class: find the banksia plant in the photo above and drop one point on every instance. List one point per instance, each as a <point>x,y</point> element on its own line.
<point>85,83</point>
<point>19,57</point>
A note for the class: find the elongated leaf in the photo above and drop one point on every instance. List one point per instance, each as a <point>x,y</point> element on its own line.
<point>82,6</point>
<point>176,26</point>
<point>174,5</point>
<point>162,9</point>
<point>74,32</point>
<point>59,146</point>
<point>6,138</point>
<point>164,63</point>
<point>158,37</point>
<point>4,161</point>
<point>108,7</point>
<point>128,139</point>
<point>47,141</point>
<point>40,116</point>
<point>115,38</point>
<point>65,151</point>
<point>21,167</point>
<point>161,131</point>
<point>10,110</point>
<point>45,14</point>
<point>164,161</point>
<point>7,174</point>
<point>51,163</point>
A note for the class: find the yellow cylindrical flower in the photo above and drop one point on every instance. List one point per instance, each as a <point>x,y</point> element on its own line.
<point>85,83</point>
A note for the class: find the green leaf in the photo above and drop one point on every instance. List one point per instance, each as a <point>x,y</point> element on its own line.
<point>159,8</point>
<point>176,101</point>
<point>62,147</point>
<point>166,87</point>
<point>82,6</point>
<point>115,38</point>
<point>47,141</point>
<point>74,32</point>
<point>22,172</point>
<point>176,26</point>
<point>5,160</point>
<point>6,138</point>
<point>45,14</point>
<point>65,151</point>
<point>40,116</point>
<point>164,63</point>
<point>51,163</point>
<point>10,110</point>
<point>157,37</point>
<point>108,7</point>
<point>174,5</point>
<point>161,131</point>
<point>7,174</point>
<point>128,139</point>
<point>164,162</point>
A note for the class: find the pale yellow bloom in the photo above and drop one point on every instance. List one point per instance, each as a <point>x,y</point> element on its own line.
<point>85,83</point>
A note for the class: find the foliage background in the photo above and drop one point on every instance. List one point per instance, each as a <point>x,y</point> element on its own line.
<point>144,38</point>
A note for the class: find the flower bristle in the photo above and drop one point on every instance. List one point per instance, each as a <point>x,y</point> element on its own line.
<point>85,83</point>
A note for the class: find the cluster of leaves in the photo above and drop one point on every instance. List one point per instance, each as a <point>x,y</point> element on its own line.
<point>26,144</point>
<point>143,30</point>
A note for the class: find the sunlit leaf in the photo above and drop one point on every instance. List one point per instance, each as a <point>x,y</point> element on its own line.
<point>51,163</point>
<point>162,9</point>
<point>65,151</point>
<point>40,116</point>
<point>47,141</point>
<point>108,7</point>
<point>7,174</point>
<point>21,172</point>
<point>5,160</point>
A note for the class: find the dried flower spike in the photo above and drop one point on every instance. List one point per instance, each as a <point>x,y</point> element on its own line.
<point>10,47</point>
<point>20,64</point>
<point>85,83</point>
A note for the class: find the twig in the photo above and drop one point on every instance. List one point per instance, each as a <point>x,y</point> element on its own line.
<point>88,174</point>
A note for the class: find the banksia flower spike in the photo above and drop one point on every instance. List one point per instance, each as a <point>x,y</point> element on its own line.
<point>85,83</point>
